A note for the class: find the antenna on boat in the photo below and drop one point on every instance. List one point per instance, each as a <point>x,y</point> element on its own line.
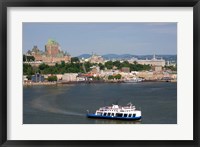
<point>130,104</point>
<point>87,111</point>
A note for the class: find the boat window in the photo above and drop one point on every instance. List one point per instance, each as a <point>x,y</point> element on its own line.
<point>112,114</point>
<point>104,114</point>
<point>109,114</point>
<point>129,115</point>
<point>133,115</point>
<point>125,115</point>
<point>119,114</point>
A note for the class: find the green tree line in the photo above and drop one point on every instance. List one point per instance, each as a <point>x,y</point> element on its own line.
<point>133,67</point>
<point>111,77</point>
<point>172,68</point>
<point>28,58</point>
<point>77,67</point>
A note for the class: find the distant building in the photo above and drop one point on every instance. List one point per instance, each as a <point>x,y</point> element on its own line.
<point>36,53</point>
<point>125,69</point>
<point>52,54</point>
<point>59,76</point>
<point>81,78</point>
<point>52,49</point>
<point>95,69</point>
<point>37,78</point>
<point>171,63</point>
<point>69,77</point>
<point>25,79</point>
<point>157,68</point>
<point>96,59</point>
<point>152,62</point>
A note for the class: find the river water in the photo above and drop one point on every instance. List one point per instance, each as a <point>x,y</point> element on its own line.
<point>68,104</point>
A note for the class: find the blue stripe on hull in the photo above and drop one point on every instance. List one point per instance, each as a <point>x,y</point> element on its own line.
<point>110,117</point>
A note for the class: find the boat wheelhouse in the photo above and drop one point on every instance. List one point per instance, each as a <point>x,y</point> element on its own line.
<point>128,112</point>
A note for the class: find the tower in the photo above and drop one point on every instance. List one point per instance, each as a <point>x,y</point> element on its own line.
<point>154,56</point>
<point>52,48</point>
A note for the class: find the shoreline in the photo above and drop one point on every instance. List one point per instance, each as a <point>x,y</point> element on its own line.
<point>88,82</point>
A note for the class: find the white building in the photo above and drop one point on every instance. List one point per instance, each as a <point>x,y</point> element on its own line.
<point>153,62</point>
<point>69,77</point>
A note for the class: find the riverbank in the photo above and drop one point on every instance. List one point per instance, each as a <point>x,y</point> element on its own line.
<point>39,83</point>
<point>85,82</point>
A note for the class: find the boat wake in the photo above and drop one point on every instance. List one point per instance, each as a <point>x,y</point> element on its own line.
<point>47,104</point>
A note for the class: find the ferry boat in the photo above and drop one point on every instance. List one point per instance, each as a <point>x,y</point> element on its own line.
<point>128,112</point>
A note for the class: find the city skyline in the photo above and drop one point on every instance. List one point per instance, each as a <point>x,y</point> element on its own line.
<point>104,38</point>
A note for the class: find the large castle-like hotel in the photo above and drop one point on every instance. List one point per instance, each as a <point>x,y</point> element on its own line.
<point>52,54</point>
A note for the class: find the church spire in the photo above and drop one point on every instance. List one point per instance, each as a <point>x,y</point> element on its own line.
<point>154,56</point>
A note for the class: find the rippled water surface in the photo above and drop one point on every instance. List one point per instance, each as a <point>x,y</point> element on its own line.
<point>67,104</point>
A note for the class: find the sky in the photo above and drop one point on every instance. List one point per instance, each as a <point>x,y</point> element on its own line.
<point>104,38</point>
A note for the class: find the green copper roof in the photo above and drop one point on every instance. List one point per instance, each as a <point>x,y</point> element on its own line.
<point>51,41</point>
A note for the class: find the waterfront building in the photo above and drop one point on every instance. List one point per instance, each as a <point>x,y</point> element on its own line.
<point>59,76</point>
<point>25,79</point>
<point>147,75</point>
<point>81,78</point>
<point>157,68</point>
<point>152,75</point>
<point>37,78</point>
<point>125,69</point>
<point>95,69</point>
<point>69,77</point>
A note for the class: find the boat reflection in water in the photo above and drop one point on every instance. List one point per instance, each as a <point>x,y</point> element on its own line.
<point>106,121</point>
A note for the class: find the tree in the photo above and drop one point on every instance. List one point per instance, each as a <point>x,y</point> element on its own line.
<point>101,66</point>
<point>172,68</point>
<point>29,77</point>
<point>117,64</point>
<point>96,78</point>
<point>43,66</point>
<point>109,65</point>
<point>52,78</point>
<point>62,64</point>
<point>87,66</point>
<point>28,69</point>
<point>75,60</point>
<point>135,62</point>
<point>118,76</point>
<point>24,58</point>
<point>110,77</point>
<point>125,64</point>
<point>56,65</point>
<point>28,58</point>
